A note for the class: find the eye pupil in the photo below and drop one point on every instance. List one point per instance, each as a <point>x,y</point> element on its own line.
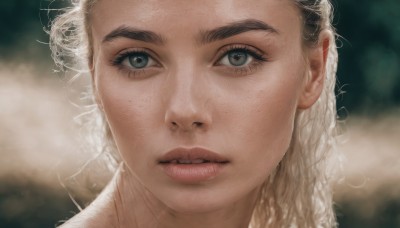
<point>237,58</point>
<point>138,60</point>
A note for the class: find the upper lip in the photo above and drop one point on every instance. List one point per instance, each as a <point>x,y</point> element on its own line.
<point>191,155</point>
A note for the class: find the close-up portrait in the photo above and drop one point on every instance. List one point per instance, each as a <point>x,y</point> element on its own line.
<point>213,113</point>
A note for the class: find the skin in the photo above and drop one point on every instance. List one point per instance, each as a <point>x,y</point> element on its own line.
<point>247,116</point>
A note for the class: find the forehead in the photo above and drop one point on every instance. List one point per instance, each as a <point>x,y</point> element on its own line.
<point>167,17</point>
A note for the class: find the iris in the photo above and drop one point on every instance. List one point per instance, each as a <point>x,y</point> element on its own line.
<point>237,58</point>
<point>138,60</point>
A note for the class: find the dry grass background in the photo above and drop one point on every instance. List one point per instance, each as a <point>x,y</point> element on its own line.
<point>36,135</point>
<point>39,151</point>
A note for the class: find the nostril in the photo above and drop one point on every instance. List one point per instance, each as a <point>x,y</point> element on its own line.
<point>198,124</point>
<point>195,125</point>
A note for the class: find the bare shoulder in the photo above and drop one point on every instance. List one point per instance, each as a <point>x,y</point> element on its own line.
<point>74,222</point>
<point>89,218</point>
<point>83,219</point>
<point>98,214</point>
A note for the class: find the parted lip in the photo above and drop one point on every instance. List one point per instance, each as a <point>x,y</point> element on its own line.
<point>194,155</point>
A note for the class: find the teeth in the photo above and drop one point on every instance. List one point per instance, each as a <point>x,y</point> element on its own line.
<point>184,161</point>
<point>198,161</point>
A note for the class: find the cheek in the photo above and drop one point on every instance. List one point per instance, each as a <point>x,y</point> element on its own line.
<point>268,130</point>
<point>265,123</point>
<point>275,124</point>
<point>130,112</point>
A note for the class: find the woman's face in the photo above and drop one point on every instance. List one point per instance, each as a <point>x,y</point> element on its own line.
<point>217,82</point>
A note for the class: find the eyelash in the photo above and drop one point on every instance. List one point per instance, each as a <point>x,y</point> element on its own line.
<point>130,71</point>
<point>257,59</point>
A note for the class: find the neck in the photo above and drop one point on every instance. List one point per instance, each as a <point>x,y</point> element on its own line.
<point>129,204</point>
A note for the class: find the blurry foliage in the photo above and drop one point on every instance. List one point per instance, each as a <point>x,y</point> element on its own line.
<point>25,203</point>
<point>369,56</point>
<point>23,24</point>
<point>351,214</point>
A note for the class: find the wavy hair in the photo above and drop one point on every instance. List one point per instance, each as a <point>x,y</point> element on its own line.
<point>298,192</point>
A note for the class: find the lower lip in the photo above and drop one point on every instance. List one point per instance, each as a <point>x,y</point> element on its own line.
<point>192,173</point>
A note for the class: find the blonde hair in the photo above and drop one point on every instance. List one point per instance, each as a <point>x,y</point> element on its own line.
<point>298,193</point>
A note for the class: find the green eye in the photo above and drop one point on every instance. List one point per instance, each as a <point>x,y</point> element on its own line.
<point>238,58</point>
<point>136,63</point>
<point>138,60</point>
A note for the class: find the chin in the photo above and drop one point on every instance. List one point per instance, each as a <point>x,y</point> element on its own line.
<point>197,204</point>
<point>198,198</point>
<point>204,199</point>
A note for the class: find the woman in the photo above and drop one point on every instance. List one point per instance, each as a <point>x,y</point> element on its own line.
<point>222,111</point>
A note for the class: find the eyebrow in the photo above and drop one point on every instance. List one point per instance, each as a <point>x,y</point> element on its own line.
<point>235,28</point>
<point>207,36</point>
<point>134,34</point>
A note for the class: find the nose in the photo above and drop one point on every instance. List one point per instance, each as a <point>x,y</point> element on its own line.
<point>188,106</point>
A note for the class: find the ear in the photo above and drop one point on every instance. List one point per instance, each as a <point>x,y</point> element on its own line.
<point>96,95</point>
<point>315,72</point>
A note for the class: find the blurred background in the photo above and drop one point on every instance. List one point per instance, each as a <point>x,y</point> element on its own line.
<point>40,153</point>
